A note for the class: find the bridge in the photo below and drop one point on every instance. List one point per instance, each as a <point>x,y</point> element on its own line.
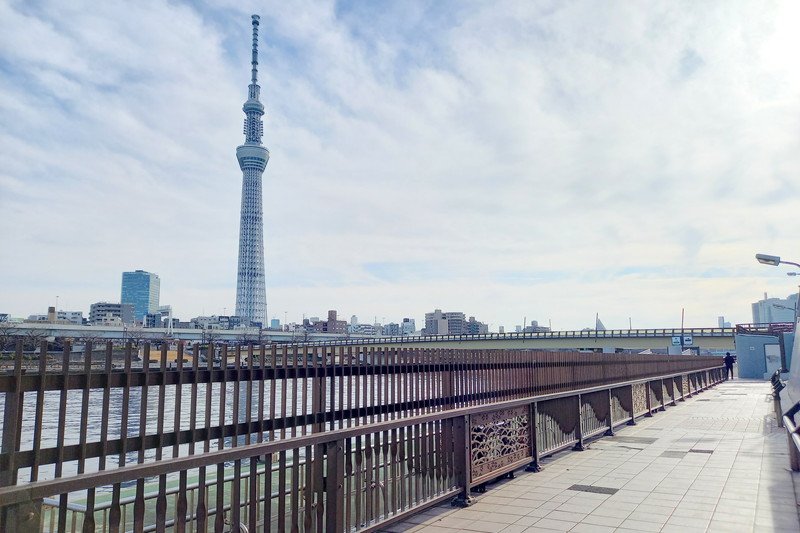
<point>703,339</point>
<point>302,438</point>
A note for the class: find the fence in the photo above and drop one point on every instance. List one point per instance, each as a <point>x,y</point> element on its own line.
<point>336,438</point>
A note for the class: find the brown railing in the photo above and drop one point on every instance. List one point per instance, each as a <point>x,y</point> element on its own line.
<point>336,438</point>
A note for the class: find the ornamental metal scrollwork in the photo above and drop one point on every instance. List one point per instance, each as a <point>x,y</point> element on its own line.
<point>639,398</point>
<point>498,439</point>
<point>620,409</point>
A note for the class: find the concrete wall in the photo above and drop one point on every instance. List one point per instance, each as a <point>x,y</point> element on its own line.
<point>750,353</point>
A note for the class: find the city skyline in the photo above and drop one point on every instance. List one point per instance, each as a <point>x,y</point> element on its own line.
<point>509,160</point>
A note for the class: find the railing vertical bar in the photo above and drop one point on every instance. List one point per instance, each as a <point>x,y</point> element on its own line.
<point>203,494</point>
<point>295,483</point>
<point>219,481</point>
<point>252,480</point>
<point>347,482</point>
<point>62,416</point>
<point>88,519</point>
<point>38,425</point>
<point>161,499</point>
<point>236,485</point>
<point>319,485</point>
<point>385,477</point>
<point>267,488</point>
<point>357,489</point>
<point>115,515</point>
<point>139,504</point>
<point>369,480</point>
<point>370,398</point>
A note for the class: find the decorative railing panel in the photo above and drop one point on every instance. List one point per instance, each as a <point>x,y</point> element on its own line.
<point>655,391</point>
<point>621,409</point>
<point>640,398</point>
<point>498,439</point>
<point>556,424</point>
<point>594,413</point>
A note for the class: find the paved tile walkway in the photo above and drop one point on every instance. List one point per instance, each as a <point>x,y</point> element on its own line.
<point>716,462</point>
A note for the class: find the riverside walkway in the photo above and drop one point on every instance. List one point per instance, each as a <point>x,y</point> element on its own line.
<point>298,438</point>
<point>717,462</point>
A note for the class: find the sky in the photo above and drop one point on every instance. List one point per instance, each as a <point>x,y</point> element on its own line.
<point>513,160</point>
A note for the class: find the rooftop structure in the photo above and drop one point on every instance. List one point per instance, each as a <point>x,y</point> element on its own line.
<point>251,294</point>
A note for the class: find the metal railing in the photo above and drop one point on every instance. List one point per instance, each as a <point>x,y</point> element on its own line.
<point>793,436</point>
<point>355,437</point>
<point>535,335</point>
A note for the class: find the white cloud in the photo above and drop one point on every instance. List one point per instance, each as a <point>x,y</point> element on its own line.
<point>507,160</point>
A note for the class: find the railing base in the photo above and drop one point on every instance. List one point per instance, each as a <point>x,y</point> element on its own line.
<point>533,467</point>
<point>462,500</point>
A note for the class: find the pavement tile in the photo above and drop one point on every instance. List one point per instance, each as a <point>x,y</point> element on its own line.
<point>557,525</point>
<point>596,520</point>
<point>688,522</point>
<point>565,516</point>
<point>484,526</point>
<point>644,516</point>
<point>591,528</point>
<point>435,529</point>
<point>639,525</point>
<point>514,528</point>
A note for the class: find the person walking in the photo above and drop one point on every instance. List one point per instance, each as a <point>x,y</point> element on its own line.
<point>729,359</point>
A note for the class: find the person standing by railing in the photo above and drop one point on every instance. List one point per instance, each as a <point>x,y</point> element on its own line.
<point>729,359</point>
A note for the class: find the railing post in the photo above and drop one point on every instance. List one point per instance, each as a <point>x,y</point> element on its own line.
<point>462,459</point>
<point>24,517</point>
<point>632,421</point>
<point>448,379</point>
<point>334,486</point>
<point>535,466</point>
<point>610,417</point>
<point>12,420</point>
<point>579,428</point>
<point>648,398</point>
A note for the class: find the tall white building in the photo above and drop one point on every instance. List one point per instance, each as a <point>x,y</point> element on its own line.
<point>771,310</point>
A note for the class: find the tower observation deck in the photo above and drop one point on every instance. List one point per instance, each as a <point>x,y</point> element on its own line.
<point>251,294</point>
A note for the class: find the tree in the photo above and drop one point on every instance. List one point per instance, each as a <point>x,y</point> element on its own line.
<point>8,335</point>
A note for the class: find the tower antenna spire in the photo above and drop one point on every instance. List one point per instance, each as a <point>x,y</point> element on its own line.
<point>254,61</point>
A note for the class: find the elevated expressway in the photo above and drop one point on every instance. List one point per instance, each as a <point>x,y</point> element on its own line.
<point>704,339</point>
<point>241,335</point>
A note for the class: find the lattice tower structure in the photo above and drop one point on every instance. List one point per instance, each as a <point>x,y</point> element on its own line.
<point>251,293</point>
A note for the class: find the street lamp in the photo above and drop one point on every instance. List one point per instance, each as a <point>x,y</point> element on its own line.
<point>774,260</point>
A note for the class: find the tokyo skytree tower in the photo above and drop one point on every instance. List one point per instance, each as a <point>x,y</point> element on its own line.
<point>251,293</point>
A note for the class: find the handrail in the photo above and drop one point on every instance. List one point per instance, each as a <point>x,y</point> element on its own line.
<point>793,434</point>
<point>41,489</point>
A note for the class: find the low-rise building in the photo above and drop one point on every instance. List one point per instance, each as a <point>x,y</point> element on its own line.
<point>332,325</point>
<point>99,313</point>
